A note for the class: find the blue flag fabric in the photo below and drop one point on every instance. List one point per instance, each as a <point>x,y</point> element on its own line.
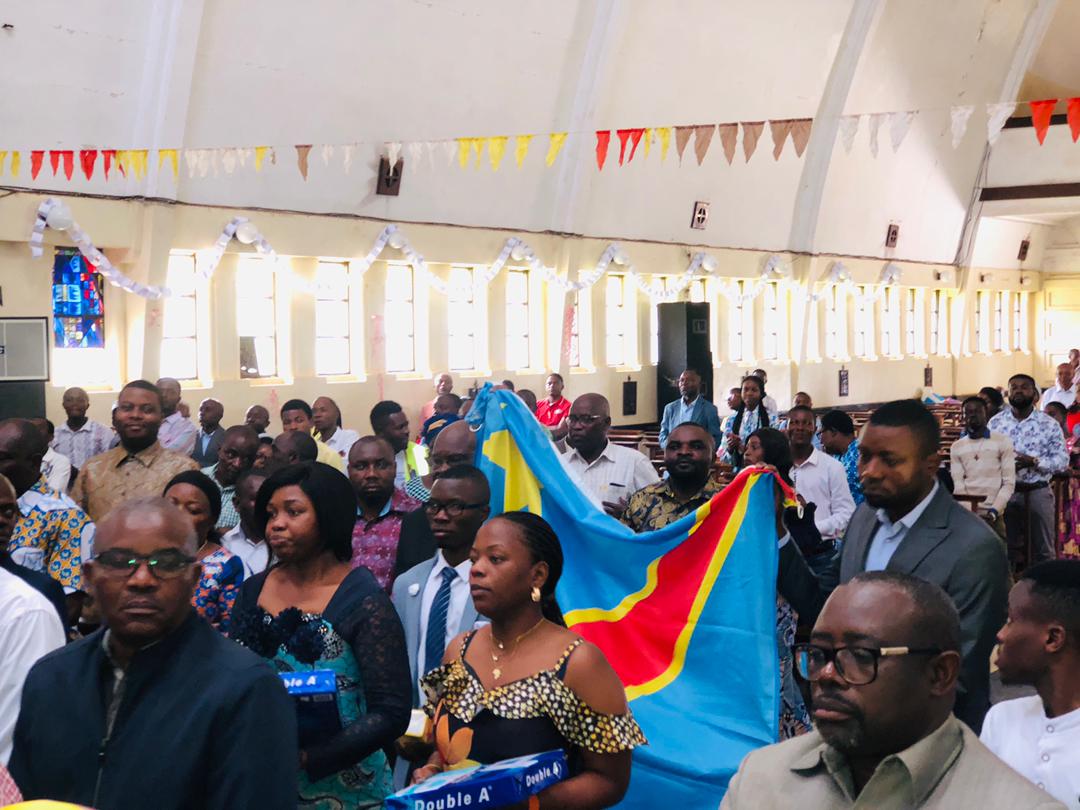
<point>686,614</point>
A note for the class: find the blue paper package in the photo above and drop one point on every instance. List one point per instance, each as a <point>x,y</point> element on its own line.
<point>315,693</point>
<point>484,786</point>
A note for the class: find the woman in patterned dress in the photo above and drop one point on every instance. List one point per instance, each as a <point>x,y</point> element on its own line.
<point>195,494</point>
<point>312,610</point>
<point>525,684</point>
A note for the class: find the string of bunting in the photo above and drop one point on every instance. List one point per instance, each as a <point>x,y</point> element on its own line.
<point>469,151</point>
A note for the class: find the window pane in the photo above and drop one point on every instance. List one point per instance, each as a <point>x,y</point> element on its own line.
<point>399,319</point>
<point>179,358</point>
<point>517,288</point>
<point>399,354</point>
<point>614,353</point>
<point>258,357</point>
<point>332,281</point>
<point>398,283</point>
<point>255,316</point>
<point>254,278</point>
<point>180,319</point>
<point>332,319</point>
<point>461,284</point>
<point>517,352</point>
<point>180,277</point>
<point>332,355</point>
<point>461,352</point>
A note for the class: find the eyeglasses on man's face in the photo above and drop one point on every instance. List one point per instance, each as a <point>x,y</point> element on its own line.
<point>454,509</point>
<point>583,418</point>
<point>164,564</point>
<point>858,666</point>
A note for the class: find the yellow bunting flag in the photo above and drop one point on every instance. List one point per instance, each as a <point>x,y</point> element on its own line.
<point>478,149</point>
<point>169,155</point>
<point>663,134</point>
<point>16,162</point>
<point>3,157</point>
<point>260,156</point>
<point>123,161</point>
<point>463,151</point>
<point>138,163</point>
<point>556,141</point>
<point>496,150</point>
<point>646,142</point>
<point>521,148</point>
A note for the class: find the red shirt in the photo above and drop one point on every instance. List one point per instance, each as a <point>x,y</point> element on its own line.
<point>551,414</point>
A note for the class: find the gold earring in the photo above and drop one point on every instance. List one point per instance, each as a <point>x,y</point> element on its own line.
<point>535,594</point>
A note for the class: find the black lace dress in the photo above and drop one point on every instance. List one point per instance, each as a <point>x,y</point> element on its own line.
<point>360,638</point>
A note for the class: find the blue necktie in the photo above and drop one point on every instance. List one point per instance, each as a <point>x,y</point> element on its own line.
<point>435,643</point>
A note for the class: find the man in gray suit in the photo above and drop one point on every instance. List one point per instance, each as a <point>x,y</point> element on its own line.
<point>210,436</point>
<point>433,598</point>
<point>691,407</point>
<point>911,524</point>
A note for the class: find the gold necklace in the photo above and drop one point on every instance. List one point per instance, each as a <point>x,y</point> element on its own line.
<point>496,671</point>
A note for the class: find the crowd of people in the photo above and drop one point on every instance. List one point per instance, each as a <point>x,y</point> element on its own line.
<point>156,578</point>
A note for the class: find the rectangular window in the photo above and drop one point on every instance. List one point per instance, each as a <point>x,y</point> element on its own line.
<point>740,324</point>
<point>890,322</point>
<point>1020,322</point>
<point>1015,341</point>
<point>1000,311</point>
<point>982,322</point>
<point>464,320</point>
<point>835,323</point>
<point>78,302</point>
<point>256,317</point>
<point>910,322</point>
<point>864,324</point>
<point>333,319</point>
<point>697,291</point>
<point>518,319</point>
<point>771,327</point>
<point>179,340</point>
<point>400,318</point>
<point>615,302</point>
<point>939,323</point>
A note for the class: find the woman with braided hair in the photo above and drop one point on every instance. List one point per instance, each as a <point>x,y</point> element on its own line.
<point>749,416</point>
<point>525,683</point>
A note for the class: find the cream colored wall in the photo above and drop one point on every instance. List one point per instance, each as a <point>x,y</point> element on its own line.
<point>138,237</point>
<point>1058,327</point>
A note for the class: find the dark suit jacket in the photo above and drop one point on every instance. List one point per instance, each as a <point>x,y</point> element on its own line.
<point>416,544</point>
<point>705,414</point>
<point>212,447</point>
<point>949,546</point>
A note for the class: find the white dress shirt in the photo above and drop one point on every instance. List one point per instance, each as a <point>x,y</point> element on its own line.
<point>86,442</point>
<point>57,470</point>
<point>459,597</point>
<point>1044,750</point>
<point>402,466</point>
<point>29,629</point>
<point>342,441</point>
<point>618,472</point>
<point>255,555</point>
<point>177,433</point>
<point>1066,396</point>
<point>822,481</point>
<point>888,536</point>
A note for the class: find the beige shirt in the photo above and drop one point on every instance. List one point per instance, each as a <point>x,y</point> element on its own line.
<point>115,476</point>
<point>947,770</point>
<point>984,467</point>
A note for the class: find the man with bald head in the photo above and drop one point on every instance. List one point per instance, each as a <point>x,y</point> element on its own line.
<point>380,508</point>
<point>236,453</point>
<point>610,472</point>
<point>883,664</point>
<point>1064,389</point>
<point>79,437</point>
<point>158,708</point>
<point>293,447</point>
<point>210,435</point>
<point>176,431</point>
<point>454,446</point>
<point>258,419</point>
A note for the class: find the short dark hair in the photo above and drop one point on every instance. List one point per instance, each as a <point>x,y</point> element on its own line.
<point>1056,583</point>
<point>330,494</point>
<point>915,416</point>
<point>776,449</point>
<point>382,412</point>
<point>145,385</point>
<point>992,394</point>
<point>296,441</point>
<point>838,421</point>
<point>296,405</point>
<point>509,384</point>
<point>201,481</point>
<point>803,409</point>
<point>977,400</point>
<point>1056,406</point>
<point>465,472</point>
<point>30,441</point>
<point>50,426</point>
<point>557,374</point>
<point>700,427</point>
<point>449,400</point>
<point>1027,377</point>
<point>266,439</point>
<point>252,472</point>
<point>937,621</point>
<point>544,546</point>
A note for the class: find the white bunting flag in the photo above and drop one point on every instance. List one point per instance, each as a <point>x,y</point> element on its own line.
<point>393,152</point>
<point>229,160</point>
<point>191,160</point>
<point>849,125</point>
<point>347,155</point>
<point>959,123</point>
<point>416,154</point>
<point>327,153</point>
<point>996,116</point>
<point>899,123</point>
<point>875,125</point>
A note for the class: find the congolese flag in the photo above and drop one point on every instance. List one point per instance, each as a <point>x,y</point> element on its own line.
<point>686,615</point>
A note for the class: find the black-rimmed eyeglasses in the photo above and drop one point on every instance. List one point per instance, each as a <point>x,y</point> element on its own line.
<point>856,665</point>
<point>453,508</point>
<point>164,564</point>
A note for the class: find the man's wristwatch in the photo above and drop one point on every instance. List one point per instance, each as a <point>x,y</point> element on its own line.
<point>992,514</point>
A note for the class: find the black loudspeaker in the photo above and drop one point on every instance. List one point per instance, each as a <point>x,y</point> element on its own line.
<point>22,399</point>
<point>684,343</point>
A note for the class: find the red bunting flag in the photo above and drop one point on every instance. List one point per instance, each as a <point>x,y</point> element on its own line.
<point>36,157</point>
<point>634,137</point>
<point>603,140</point>
<point>1074,117</point>
<point>69,162</point>
<point>107,156</point>
<point>1041,111</point>
<point>87,159</point>
<point>54,161</point>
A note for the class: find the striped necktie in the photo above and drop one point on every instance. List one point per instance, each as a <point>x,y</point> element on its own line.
<point>435,643</point>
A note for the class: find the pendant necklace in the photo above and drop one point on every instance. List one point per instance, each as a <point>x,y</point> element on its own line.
<point>496,671</point>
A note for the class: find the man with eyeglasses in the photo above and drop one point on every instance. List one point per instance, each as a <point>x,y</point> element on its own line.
<point>380,508</point>
<point>158,709</point>
<point>883,664</point>
<point>433,598</point>
<point>235,454</point>
<point>610,472</point>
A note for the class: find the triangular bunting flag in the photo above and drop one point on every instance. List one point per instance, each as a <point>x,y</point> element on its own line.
<point>463,151</point>
<point>107,156</point>
<point>496,150</point>
<point>682,138</point>
<point>702,138</point>
<point>959,117</point>
<point>302,152</point>
<point>215,159</point>
<point>1073,112</point>
<point>751,132</point>
<point>204,162</point>
<point>780,131</point>
<point>242,156</point>
<point>996,116</point>
<point>664,135</point>
<point>16,163</point>
<point>229,160</point>
<point>1041,112</point>
<point>347,156</point>
<point>800,134</point>
<point>416,154</point>
<point>174,161</point>
<point>603,140</point>
<point>327,152</point>
<point>521,148</point>
<point>624,137</point>
<point>138,162</point>
<point>3,157</point>
<point>122,161</point>
<point>191,160</point>
<point>54,161</point>
<point>875,125</point>
<point>273,156</point>
<point>393,152</point>
<point>729,137</point>
<point>899,123</point>
<point>68,157</point>
<point>260,156</point>
<point>646,139</point>
<point>478,150</point>
<point>36,156</point>
<point>635,138</point>
<point>87,159</point>
<point>849,125</point>
<point>450,149</point>
<point>431,147</point>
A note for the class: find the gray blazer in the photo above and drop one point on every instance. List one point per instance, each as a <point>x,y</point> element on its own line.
<point>949,546</point>
<point>210,456</point>
<point>704,414</point>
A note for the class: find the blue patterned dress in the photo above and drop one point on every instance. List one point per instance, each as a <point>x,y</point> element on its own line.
<point>222,573</point>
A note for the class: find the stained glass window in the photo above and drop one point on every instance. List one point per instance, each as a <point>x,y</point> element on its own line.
<point>78,302</point>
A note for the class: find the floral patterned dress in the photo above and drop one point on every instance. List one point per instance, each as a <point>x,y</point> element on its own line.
<point>222,573</point>
<point>1068,505</point>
